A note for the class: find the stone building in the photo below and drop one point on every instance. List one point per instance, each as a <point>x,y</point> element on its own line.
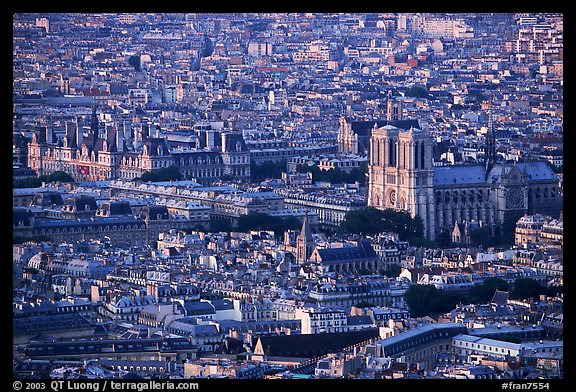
<point>402,176</point>
<point>126,153</point>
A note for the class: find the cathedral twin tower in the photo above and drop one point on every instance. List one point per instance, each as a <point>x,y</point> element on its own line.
<point>401,175</point>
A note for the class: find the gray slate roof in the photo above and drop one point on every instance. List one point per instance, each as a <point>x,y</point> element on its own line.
<point>345,254</point>
<point>461,174</point>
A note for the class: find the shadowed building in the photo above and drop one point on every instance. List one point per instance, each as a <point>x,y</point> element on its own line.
<point>310,345</point>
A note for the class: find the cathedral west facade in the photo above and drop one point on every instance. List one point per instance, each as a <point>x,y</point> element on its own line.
<point>402,176</point>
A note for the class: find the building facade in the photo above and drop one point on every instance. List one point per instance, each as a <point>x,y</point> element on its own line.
<point>127,154</point>
<point>402,176</point>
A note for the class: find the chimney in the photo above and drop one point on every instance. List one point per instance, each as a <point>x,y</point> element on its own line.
<point>108,133</point>
<point>79,134</point>
<point>69,128</point>
<point>48,131</point>
<point>120,139</point>
<point>224,140</point>
<point>135,138</point>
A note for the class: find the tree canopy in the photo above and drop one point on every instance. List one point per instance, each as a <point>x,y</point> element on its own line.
<point>34,182</point>
<point>417,91</point>
<point>163,174</point>
<point>135,62</point>
<point>526,288</point>
<point>392,270</point>
<point>261,221</point>
<point>423,299</point>
<point>483,292</point>
<point>336,175</point>
<point>219,224</point>
<point>371,221</point>
<point>267,169</point>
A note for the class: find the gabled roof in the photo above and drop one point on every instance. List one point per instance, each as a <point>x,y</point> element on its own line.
<point>81,201</point>
<point>537,171</point>
<point>198,308</point>
<point>230,346</point>
<point>359,320</point>
<point>459,174</point>
<point>312,345</point>
<point>222,304</point>
<point>500,297</point>
<point>333,255</point>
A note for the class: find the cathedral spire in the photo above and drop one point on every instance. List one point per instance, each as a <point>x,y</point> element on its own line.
<point>490,149</point>
<point>306,232</point>
<point>304,242</point>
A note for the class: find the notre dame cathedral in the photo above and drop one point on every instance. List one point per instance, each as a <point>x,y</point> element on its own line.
<point>402,176</point>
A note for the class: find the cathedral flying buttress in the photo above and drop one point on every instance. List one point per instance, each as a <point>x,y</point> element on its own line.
<point>402,176</point>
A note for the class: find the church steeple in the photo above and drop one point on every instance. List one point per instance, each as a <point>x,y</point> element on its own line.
<point>304,242</point>
<point>490,149</point>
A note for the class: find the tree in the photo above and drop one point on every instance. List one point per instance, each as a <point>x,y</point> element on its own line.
<point>422,299</point>
<point>314,169</point>
<point>365,304</point>
<point>34,182</point>
<point>336,175</point>
<point>61,176</point>
<point>261,221</point>
<point>477,94</point>
<point>291,223</point>
<point>135,62</point>
<point>422,242</point>
<point>417,91</point>
<point>443,239</point>
<point>526,288</point>
<point>365,221</point>
<point>392,270</point>
<point>508,229</point>
<point>27,182</point>
<point>371,221</point>
<point>267,169</point>
<point>481,237</point>
<point>163,174</point>
<point>219,224</point>
<point>148,176</point>
<point>208,47</point>
<point>483,292</point>
<point>17,239</point>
